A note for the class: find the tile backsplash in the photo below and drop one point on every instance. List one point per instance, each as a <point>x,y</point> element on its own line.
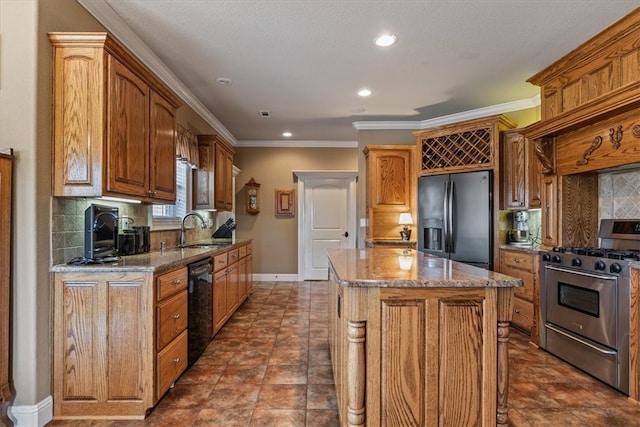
<point>67,226</point>
<point>619,194</point>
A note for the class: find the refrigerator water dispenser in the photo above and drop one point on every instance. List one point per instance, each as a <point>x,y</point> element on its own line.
<point>433,234</point>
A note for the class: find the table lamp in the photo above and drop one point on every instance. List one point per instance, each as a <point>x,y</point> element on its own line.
<point>405,219</point>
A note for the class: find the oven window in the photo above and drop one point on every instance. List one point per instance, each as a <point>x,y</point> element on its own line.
<point>580,299</point>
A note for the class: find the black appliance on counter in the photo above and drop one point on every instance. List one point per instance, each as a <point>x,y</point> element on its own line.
<point>101,233</point>
<point>135,241</point>
<point>200,303</point>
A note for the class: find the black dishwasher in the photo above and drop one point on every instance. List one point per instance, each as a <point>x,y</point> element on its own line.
<point>200,308</point>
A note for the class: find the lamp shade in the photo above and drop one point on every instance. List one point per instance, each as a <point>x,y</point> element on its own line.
<point>405,219</point>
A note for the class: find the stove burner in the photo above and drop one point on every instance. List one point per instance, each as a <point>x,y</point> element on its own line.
<point>619,254</point>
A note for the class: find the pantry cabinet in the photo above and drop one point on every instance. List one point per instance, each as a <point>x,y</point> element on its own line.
<point>113,122</point>
<point>391,189</point>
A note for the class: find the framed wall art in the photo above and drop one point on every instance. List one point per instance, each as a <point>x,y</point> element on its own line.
<point>285,202</point>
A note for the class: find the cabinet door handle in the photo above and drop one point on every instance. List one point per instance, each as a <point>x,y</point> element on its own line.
<point>176,360</point>
<point>176,316</point>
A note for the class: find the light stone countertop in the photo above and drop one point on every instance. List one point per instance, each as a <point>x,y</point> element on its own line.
<point>380,267</point>
<point>156,261</point>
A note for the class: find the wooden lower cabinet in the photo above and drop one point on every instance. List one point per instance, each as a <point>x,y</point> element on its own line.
<point>103,355</point>
<point>231,286</point>
<point>120,338</point>
<point>523,265</point>
<point>171,328</point>
<point>419,356</point>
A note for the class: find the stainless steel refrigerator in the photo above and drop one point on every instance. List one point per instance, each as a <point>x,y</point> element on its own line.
<point>455,214</point>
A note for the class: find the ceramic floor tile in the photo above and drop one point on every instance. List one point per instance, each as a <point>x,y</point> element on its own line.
<point>282,396</point>
<point>322,418</point>
<point>221,418</point>
<point>278,418</point>
<point>286,374</point>
<point>237,374</point>
<point>321,396</point>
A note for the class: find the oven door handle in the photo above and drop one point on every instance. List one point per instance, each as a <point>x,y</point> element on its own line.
<point>598,349</point>
<point>582,273</point>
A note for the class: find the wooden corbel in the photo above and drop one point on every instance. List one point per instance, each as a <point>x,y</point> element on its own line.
<point>545,148</point>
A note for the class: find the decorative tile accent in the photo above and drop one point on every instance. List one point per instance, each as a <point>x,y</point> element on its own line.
<point>619,194</point>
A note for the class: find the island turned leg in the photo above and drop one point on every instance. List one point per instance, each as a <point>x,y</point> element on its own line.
<point>356,376</point>
<point>502,416</point>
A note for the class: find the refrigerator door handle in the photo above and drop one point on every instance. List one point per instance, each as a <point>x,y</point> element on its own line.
<point>445,223</point>
<point>450,217</point>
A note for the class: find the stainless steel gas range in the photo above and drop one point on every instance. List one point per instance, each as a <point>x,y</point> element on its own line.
<point>585,302</point>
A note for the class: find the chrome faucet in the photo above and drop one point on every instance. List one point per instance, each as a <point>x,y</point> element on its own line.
<point>182,233</point>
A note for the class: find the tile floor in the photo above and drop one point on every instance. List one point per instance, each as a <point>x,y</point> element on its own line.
<point>269,366</point>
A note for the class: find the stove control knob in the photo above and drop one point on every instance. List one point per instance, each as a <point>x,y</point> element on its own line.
<point>576,262</point>
<point>615,268</point>
<point>546,257</point>
<point>557,259</point>
<point>600,265</point>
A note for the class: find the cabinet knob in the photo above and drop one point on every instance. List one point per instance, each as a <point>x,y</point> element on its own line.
<point>176,282</point>
<point>176,316</point>
<point>176,360</point>
<point>517,311</point>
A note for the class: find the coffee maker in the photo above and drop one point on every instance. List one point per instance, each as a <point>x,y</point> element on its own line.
<point>519,234</point>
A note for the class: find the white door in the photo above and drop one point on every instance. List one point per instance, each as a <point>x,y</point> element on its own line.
<point>327,219</point>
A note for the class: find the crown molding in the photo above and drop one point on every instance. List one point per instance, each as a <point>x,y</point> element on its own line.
<point>125,35</point>
<point>521,104</point>
<point>298,144</point>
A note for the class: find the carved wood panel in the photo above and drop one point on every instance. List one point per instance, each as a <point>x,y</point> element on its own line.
<point>580,210</point>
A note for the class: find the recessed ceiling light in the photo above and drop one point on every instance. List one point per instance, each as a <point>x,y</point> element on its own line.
<point>287,134</point>
<point>386,40</point>
<point>364,92</point>
<point>224,80</point>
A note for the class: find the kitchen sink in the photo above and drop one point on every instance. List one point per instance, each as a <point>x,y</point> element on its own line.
<point>201,245</point>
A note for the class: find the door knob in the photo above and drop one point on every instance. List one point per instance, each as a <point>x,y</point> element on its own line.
<point>346,234</point>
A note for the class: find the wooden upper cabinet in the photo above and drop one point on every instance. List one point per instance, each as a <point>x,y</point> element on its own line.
<point>127,161</point>
<point>223,186</point>
<point>391,188</point>
<point>113,120</point>
<point>213,180</point>
<point>461,147</point>
<point>514,168</point>
<point>203,177</point>
<point>534,177</point>
<point>162,147</point>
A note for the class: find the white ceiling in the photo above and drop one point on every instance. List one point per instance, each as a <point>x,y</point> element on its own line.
<point>304,60</point>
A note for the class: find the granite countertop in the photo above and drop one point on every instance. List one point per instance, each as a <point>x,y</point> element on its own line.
<point>381,267</point>
<point>523,248</point>
<point>156,261</point>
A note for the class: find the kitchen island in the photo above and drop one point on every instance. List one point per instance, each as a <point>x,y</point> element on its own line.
<point>417,339</point>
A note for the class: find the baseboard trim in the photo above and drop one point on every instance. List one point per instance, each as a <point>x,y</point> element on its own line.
<point>275,277</point>
<point>32,415</point>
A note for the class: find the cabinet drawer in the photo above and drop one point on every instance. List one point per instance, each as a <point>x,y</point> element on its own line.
<point>526,291</point>
<point>242,251</point>
<point>172,318</point>
<point>171,363</point>
<point>220,261</point>
<point>233,256</point>
<point>517,259</point>
<point>523,314</point>
<point>171,282</point>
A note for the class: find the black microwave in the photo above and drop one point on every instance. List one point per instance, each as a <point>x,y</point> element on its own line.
<point>101,232</point>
